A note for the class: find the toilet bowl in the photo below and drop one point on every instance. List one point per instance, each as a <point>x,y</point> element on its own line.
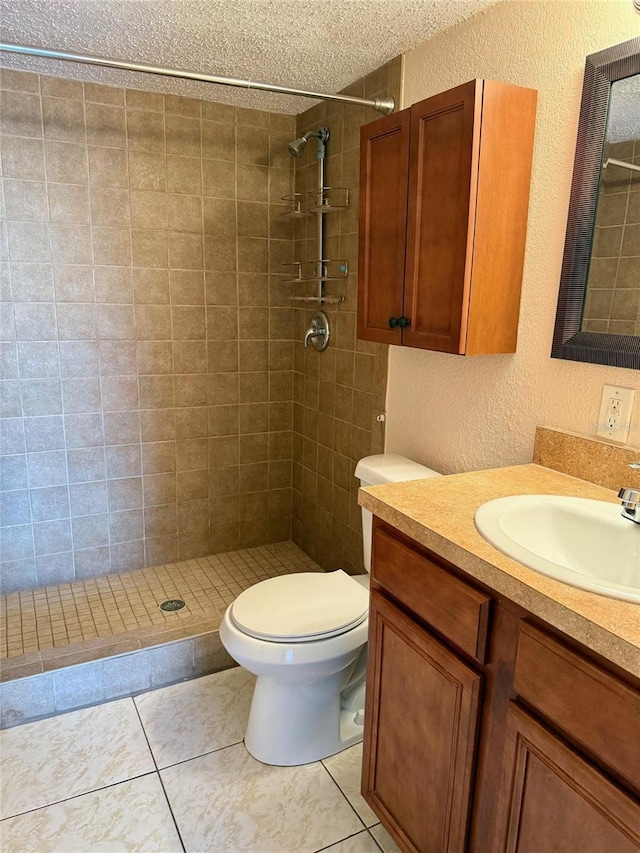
<point>304,636</point>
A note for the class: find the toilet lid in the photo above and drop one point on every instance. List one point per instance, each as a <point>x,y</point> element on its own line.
<point>302,606</point>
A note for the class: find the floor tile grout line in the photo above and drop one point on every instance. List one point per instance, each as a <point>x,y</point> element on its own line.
<point>346,838</point>
<point>372,836</point>
<point>375,840</point>
<point>77,796</point>
<point>173,817</point>
<point>353,808</point>
<point>160,779</point>
<point>202,755</point>
<point>322,760</point>
<point>144,732</point>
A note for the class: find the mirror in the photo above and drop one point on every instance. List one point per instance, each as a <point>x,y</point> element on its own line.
<point>598,316</point>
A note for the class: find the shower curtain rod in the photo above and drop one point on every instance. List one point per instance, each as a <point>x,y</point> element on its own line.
<point>382,105</point>
<point>621,163</point>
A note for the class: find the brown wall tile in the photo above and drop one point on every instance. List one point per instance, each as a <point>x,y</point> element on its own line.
<point>98,94</point>
<point>21,114</point>
<point>127,367</point>
<point>108,167</point>
<point>346,380</point>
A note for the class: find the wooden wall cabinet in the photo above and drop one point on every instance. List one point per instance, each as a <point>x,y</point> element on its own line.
<point>444,195</point>
<point>485,731</point>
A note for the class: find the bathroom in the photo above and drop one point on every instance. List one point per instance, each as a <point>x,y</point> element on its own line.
<point>167,408</point>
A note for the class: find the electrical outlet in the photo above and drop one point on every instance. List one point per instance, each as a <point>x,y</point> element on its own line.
<point>615,413</point>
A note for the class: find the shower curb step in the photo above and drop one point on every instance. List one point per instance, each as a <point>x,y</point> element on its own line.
<point>114,676</point>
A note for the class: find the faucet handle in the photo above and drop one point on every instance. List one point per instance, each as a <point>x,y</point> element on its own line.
<point>630,504</point>
<point>318,332</point>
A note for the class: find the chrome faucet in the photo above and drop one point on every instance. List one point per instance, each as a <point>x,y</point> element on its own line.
<point>631,500</point>
<point>313,333</point>
<point>318,332</point>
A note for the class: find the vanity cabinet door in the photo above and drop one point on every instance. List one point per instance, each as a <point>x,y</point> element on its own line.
<point>552,799</point>
<point>420,733</point>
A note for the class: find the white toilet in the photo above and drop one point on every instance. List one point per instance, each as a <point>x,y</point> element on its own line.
<point>304,636</point>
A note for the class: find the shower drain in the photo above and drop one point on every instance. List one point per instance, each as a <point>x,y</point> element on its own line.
<point>172,604</point>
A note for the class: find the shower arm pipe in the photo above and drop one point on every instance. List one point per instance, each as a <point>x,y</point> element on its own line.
<point>382,105</point>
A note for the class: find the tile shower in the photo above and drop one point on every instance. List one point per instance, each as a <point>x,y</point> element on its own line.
<point>147,352</point>
<point>613,294</point>
<point>338,395</point>
<point>158,406</point>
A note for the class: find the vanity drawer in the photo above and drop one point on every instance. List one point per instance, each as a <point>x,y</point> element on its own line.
<point>590,705</point>
<point>455,609</point>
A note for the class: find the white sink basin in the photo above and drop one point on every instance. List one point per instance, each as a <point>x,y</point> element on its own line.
<point>582,542</point>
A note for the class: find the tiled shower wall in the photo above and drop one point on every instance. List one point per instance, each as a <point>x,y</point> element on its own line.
<point>147,359</point>
<point>338,394</point>
<point>613,294</point>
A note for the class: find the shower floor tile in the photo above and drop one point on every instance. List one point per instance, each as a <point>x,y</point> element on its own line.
<point>65,790</point>
<point>49,627</point>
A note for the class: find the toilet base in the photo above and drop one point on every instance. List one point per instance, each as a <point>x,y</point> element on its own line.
<point>288,728</point>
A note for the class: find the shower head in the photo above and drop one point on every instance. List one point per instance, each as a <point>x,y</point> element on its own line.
<point>297,146</point>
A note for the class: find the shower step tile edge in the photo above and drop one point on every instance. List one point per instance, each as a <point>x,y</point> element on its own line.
<point>34,696</point>
<point>101,647</point>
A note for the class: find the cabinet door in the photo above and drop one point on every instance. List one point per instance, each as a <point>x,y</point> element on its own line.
<point>552,799</point>
<point>420,733</point>
<point>384,164</point>
<point>445,140</point>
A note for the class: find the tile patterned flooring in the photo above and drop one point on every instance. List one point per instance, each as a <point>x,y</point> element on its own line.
<point>167,771</point>
<point>48,624</point>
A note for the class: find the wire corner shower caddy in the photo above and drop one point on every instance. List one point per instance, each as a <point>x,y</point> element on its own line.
<point>318,202</point>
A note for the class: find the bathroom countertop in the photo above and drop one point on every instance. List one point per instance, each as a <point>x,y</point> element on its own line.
<point>438,513</point>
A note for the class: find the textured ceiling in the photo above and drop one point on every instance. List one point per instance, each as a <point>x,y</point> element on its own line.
<point>307,44</point>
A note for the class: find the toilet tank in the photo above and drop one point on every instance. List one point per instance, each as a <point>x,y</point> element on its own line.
<point>385,468</point>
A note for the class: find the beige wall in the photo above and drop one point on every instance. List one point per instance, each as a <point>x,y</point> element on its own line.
<point>455,413</point>
<point>146,378</point>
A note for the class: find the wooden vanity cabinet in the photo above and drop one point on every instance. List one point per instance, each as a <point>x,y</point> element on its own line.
<point>444,194</point>
<point>485,730</point>
<point>551,798</point>
<point>571,748</point>
<point>420,753</point>
<point>423,696</point>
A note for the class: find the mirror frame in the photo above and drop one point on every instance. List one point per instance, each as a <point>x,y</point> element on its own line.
<point>601,70</point>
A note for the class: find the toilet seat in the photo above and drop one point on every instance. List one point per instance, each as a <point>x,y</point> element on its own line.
<point>302,607</point>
